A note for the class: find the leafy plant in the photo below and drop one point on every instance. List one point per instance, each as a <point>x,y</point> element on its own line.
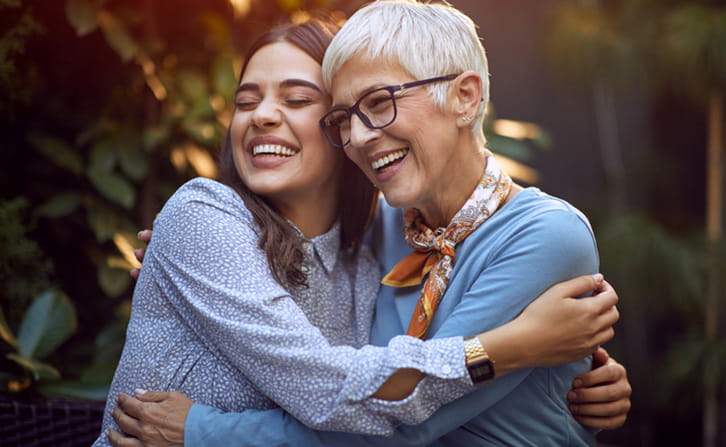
<point>47,323</point>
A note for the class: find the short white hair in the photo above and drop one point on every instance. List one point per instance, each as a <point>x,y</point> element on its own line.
<point>426,39</point>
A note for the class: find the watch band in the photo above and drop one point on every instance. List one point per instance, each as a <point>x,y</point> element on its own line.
<point>478,363</point>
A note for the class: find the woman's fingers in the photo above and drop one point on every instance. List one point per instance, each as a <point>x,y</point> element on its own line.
<point>601,398</point>
<point>600,357</point>
<point>610,373</point>
<point>139,253</point>
<point>152,396</point>
<point>577,286</point>
<point>144,236</point>
<point>125,422</point>
<point>130,405</point>
<point>605,298</point>
<point>119,440</point>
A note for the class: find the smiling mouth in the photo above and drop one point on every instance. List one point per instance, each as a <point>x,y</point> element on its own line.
<point>388,160</point>
<point>272,150</point>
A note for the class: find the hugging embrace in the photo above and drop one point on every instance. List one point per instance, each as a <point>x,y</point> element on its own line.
<point>288,305</point>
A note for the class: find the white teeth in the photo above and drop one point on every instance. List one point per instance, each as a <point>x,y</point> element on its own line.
<point>390,158</point>
<point>275,149</point>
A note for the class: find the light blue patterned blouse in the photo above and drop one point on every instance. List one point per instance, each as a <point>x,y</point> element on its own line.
<point>208,319</point>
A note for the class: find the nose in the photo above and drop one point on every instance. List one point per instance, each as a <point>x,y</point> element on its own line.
<point>360,134</point>
<point>266,115</point>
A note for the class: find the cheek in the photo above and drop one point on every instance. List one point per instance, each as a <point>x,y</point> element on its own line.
<point>238,126</point>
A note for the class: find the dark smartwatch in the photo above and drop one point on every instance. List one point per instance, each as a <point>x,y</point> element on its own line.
<point>478,363</point>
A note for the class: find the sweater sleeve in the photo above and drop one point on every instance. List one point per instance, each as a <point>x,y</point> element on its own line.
<point>208,263</point>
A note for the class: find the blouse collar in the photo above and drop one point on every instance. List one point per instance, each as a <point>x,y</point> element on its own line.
<point>324,247</point>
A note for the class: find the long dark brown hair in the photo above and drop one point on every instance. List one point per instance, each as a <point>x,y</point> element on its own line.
<point>357,198</point>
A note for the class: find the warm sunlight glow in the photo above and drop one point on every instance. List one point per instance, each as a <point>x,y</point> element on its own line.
<point>152,80</point>
<point>517,170</point>
<point>191,154</point>
<point>516,129</point>
<point>241,7</point>
<point>201,161</point>
<point>126,249</point>
<point>178,159</point>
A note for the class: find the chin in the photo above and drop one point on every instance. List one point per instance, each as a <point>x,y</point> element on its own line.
<point>397,200</point>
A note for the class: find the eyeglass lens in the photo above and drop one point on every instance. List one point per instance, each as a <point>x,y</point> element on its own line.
<point>376,109</point>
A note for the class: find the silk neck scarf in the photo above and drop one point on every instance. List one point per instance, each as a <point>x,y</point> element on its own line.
<point>434,249</point>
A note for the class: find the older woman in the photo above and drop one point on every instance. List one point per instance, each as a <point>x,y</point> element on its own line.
<point>487,287</point>
<point>410,84</point>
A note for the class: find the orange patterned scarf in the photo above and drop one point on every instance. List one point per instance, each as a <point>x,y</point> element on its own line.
<point>434,249</point>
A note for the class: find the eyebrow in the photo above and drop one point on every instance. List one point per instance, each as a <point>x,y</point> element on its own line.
<point>287,83</point>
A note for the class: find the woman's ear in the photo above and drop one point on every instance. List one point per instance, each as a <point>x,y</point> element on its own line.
<point>466,96</point>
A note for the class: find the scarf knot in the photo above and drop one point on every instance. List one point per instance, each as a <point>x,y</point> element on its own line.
<point>435,250</point>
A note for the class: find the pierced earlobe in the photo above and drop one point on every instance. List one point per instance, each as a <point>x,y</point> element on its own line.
<point>467,118</point>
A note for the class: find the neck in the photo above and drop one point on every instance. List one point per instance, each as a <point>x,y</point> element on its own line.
<point>313,216</point>
<point>466,172</point>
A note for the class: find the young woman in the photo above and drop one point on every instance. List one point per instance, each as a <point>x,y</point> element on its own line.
<point>236,273</point>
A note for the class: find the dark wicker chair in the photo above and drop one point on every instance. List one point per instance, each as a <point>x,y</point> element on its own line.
<point>49,422</point>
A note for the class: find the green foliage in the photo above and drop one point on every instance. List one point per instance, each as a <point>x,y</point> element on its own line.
<point>24,269</point>
<point>662,281</point>
<point>589,42</point>
<point>47,323</point>
<point>105,146</point>
<point>694,47</point>
<point>14,87</point>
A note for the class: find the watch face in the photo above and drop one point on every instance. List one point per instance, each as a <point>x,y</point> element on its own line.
<point>481,371</point>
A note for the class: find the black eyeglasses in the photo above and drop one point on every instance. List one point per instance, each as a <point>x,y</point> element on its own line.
<point>376,109</point>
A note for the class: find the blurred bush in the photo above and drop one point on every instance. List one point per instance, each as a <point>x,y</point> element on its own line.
<point>671,334</point>
<point>108,107</point>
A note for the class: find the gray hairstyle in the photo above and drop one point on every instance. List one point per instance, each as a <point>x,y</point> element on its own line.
<point>426,39</point>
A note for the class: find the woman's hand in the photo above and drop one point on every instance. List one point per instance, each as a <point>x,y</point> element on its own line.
<point>145,237</point>
<point>557,328</point>
<point>601,397</point>
<point>154,419</point>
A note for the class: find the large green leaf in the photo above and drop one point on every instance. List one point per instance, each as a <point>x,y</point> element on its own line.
<point>59,205</point>
<point>133,161</point>
<point>113,187</point>
<point>117,36</point>
<point>5,333</point>
<point>58,152</point>
<point>103,155</point>
<point>47,323</point>
<point>83,15</point>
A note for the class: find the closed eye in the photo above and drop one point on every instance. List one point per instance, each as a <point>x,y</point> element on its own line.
<point>245,105</point>
<point>299,102</point>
